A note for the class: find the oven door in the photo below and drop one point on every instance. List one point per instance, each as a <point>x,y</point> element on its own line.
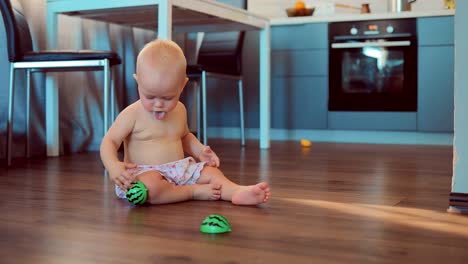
<point>373,75</point>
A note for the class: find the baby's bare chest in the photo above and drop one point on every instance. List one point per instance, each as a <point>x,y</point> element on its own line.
<point>157,130</point>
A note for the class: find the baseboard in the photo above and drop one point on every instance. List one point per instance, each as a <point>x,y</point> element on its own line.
<point>457,210</point>
<point>339,136</point>
<point>459,200</point>
<point>458,203</point>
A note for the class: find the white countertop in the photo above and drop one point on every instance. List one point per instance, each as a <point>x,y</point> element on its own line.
<point>358,17</point>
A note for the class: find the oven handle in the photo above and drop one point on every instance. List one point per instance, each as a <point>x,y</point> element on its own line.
<point>370,44</point>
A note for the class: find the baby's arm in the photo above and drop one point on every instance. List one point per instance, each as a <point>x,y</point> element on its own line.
<point>193,147</point>
<point>120,129</point>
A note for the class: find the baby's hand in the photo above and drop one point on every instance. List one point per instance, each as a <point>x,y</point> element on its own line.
<point>125,179</point>
<point>209,157</point>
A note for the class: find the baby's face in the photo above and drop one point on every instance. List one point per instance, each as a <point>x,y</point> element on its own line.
<point>159,94</point>
<point>161,77</point>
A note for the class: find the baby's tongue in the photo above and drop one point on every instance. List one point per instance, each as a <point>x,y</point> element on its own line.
<point>159,115</point>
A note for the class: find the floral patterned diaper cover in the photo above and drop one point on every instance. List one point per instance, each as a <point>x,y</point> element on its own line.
<point>181,172</point>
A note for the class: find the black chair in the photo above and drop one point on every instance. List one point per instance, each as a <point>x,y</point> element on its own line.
<point>219,56</point>
<point>22,56</point>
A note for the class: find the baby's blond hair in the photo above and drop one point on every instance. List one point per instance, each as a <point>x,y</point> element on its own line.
<point>162,53</point>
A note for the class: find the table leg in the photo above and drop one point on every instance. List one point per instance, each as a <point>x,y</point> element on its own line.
<point>265,87</point>
<point>165,19</point>
<point>52,101</point>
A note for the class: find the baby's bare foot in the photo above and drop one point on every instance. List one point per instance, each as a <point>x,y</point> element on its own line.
<point>252,194</point>
<point>207,191</point>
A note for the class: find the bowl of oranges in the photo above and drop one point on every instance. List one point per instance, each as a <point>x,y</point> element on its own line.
<point>299,9</point>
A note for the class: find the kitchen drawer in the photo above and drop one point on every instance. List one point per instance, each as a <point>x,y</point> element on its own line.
<point>306,36</point>
<point>299,103</point>
<point>434,31</point>
<point>391,121</point>
<point>299,63</point>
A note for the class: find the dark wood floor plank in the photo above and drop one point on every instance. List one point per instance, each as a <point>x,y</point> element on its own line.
<point>332,203</point>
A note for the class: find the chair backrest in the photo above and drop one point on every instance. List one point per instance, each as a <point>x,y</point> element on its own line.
<point>18,35</point>
<point>224,49</point>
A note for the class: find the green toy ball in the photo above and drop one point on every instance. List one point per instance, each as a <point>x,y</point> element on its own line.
<point>137,194</point>
<point>215,224</point>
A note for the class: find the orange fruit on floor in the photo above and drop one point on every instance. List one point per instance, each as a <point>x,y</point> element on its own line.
<point>305,143</point>
<point>299,5</point>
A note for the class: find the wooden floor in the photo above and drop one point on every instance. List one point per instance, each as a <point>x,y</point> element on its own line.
<point>332,203</point>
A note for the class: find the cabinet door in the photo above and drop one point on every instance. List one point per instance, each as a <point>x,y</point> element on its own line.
<point>299,102</point>
<point>299,76</point>
<point>434,31</point>
<point>435,88</point>
<point>313,62</point>
<point>297,37</point>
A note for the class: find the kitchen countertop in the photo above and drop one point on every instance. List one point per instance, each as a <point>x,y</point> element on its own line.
<point>358,17</point>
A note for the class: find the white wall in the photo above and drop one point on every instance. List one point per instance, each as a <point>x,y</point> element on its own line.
<point>276,8</point>
<point>460,151</point>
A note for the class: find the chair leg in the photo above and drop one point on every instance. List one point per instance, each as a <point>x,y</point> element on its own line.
<point>115,109</point>
<point>198,93</point>
<point>203,84</point>
<point>106,95</point>
<point>241,111</point>
<point>105,99</point>
<point>28,111</point>
<point>113,99</point>
<point>11,100</point>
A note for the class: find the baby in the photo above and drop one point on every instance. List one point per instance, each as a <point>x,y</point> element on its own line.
<point>156,138</point>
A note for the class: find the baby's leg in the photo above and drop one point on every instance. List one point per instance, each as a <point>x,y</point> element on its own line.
<point>161,191</point>
<point>230,191</point>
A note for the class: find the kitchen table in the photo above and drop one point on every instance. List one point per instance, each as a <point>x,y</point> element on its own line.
<point>163,16</point>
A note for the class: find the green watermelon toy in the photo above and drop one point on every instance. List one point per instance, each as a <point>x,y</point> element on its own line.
<point>137,194</point>
<point>215,224</point>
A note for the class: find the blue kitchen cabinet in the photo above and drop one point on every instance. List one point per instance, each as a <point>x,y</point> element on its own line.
<point>435,74</point>
<point>372,121</point>
<point>299,76</point>
<point>299,82</point>
<point>299,62</point>
<point>300,37</point>
<point>435,84</point>
<point>299,102</point>
<point>433,31</point>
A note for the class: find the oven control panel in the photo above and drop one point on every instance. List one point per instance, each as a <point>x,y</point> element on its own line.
<point>373,28</point>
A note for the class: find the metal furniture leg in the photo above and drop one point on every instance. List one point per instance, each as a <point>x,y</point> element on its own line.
<point>11,101</point>
<point>241,111</point>
<point>106,96</point>
<point>28,111</point>
<point>203,84</point>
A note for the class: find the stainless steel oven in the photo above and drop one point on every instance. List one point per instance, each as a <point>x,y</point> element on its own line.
<point>373,65</point>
